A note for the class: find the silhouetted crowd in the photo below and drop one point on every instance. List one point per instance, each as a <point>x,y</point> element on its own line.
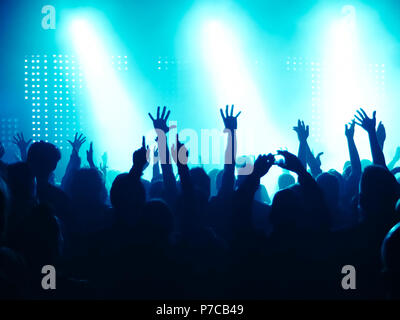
<point>324,235</point>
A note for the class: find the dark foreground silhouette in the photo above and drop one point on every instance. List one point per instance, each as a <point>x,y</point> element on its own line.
<point>201,236</point>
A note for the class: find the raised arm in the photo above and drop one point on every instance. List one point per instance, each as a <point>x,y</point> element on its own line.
<point>244,196</point>
<point>381,134</point>
<point>369,124</point>
<point>74,161</point>
<point>140,161</point>
<point>395,159</point>
<point>104,165</point>
<point>314,163</point>
<point>89,157</point>
<point>353,152</point>
<point>188,208</point>
<point>161,127</point>
<point>180,155</point>
<point>313,196</point>
<point>302,134</point>
<point>395,171</point>
<point>22,145</point>
<point>305,155</point>
<point>228,177</point>
<point>156,167</point>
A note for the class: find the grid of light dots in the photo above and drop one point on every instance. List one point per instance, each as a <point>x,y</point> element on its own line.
<point>9,128</point>
<point>167,67</point>
<point>314,68</point>
<point>120,63</point>
<point>378,72</point>
<point>53,84</point>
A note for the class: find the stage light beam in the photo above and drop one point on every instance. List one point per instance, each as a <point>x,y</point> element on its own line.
<point>111,105</point>
<point>225,62</point>
<point>347,84</point>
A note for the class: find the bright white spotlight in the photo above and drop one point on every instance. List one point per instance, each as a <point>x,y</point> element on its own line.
<point>229,71</point>
<point>346,83</point>
<point>112,107</point>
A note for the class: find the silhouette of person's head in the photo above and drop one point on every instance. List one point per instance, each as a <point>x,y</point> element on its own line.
<point>391,262</point>
<point>285,180</point>
<point>378,194</point>
<point>201,181</point>
<point>346,165</point>
<point>87,187</point>
<point>365,163</point>
<point>329,184</point>
<point>127,196</point>
<point>286,211</point>
<point>43,158</point>
<point>347,170</point>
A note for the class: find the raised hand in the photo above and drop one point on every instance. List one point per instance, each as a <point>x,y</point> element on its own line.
<point>381,134</point>
<point>89,156</point>
<point>17,156</point>
<point>160,123</point>
<point>302,131</point>
<point>354,156</point>
<point>155,155</point>
<point>368,124</point>
<point>230,121</point>
<point>291,162</point>
<point>349,129</point>
<point>77,143</point>
<point>140,157</point>
<point>2,150</point>
<point>19,140</point>
<point>263,164</point>
<point>103,164</point>
<point>179,153</point>
<point>318,159</point>
<point>22,145</point>
<point>104,159</point>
